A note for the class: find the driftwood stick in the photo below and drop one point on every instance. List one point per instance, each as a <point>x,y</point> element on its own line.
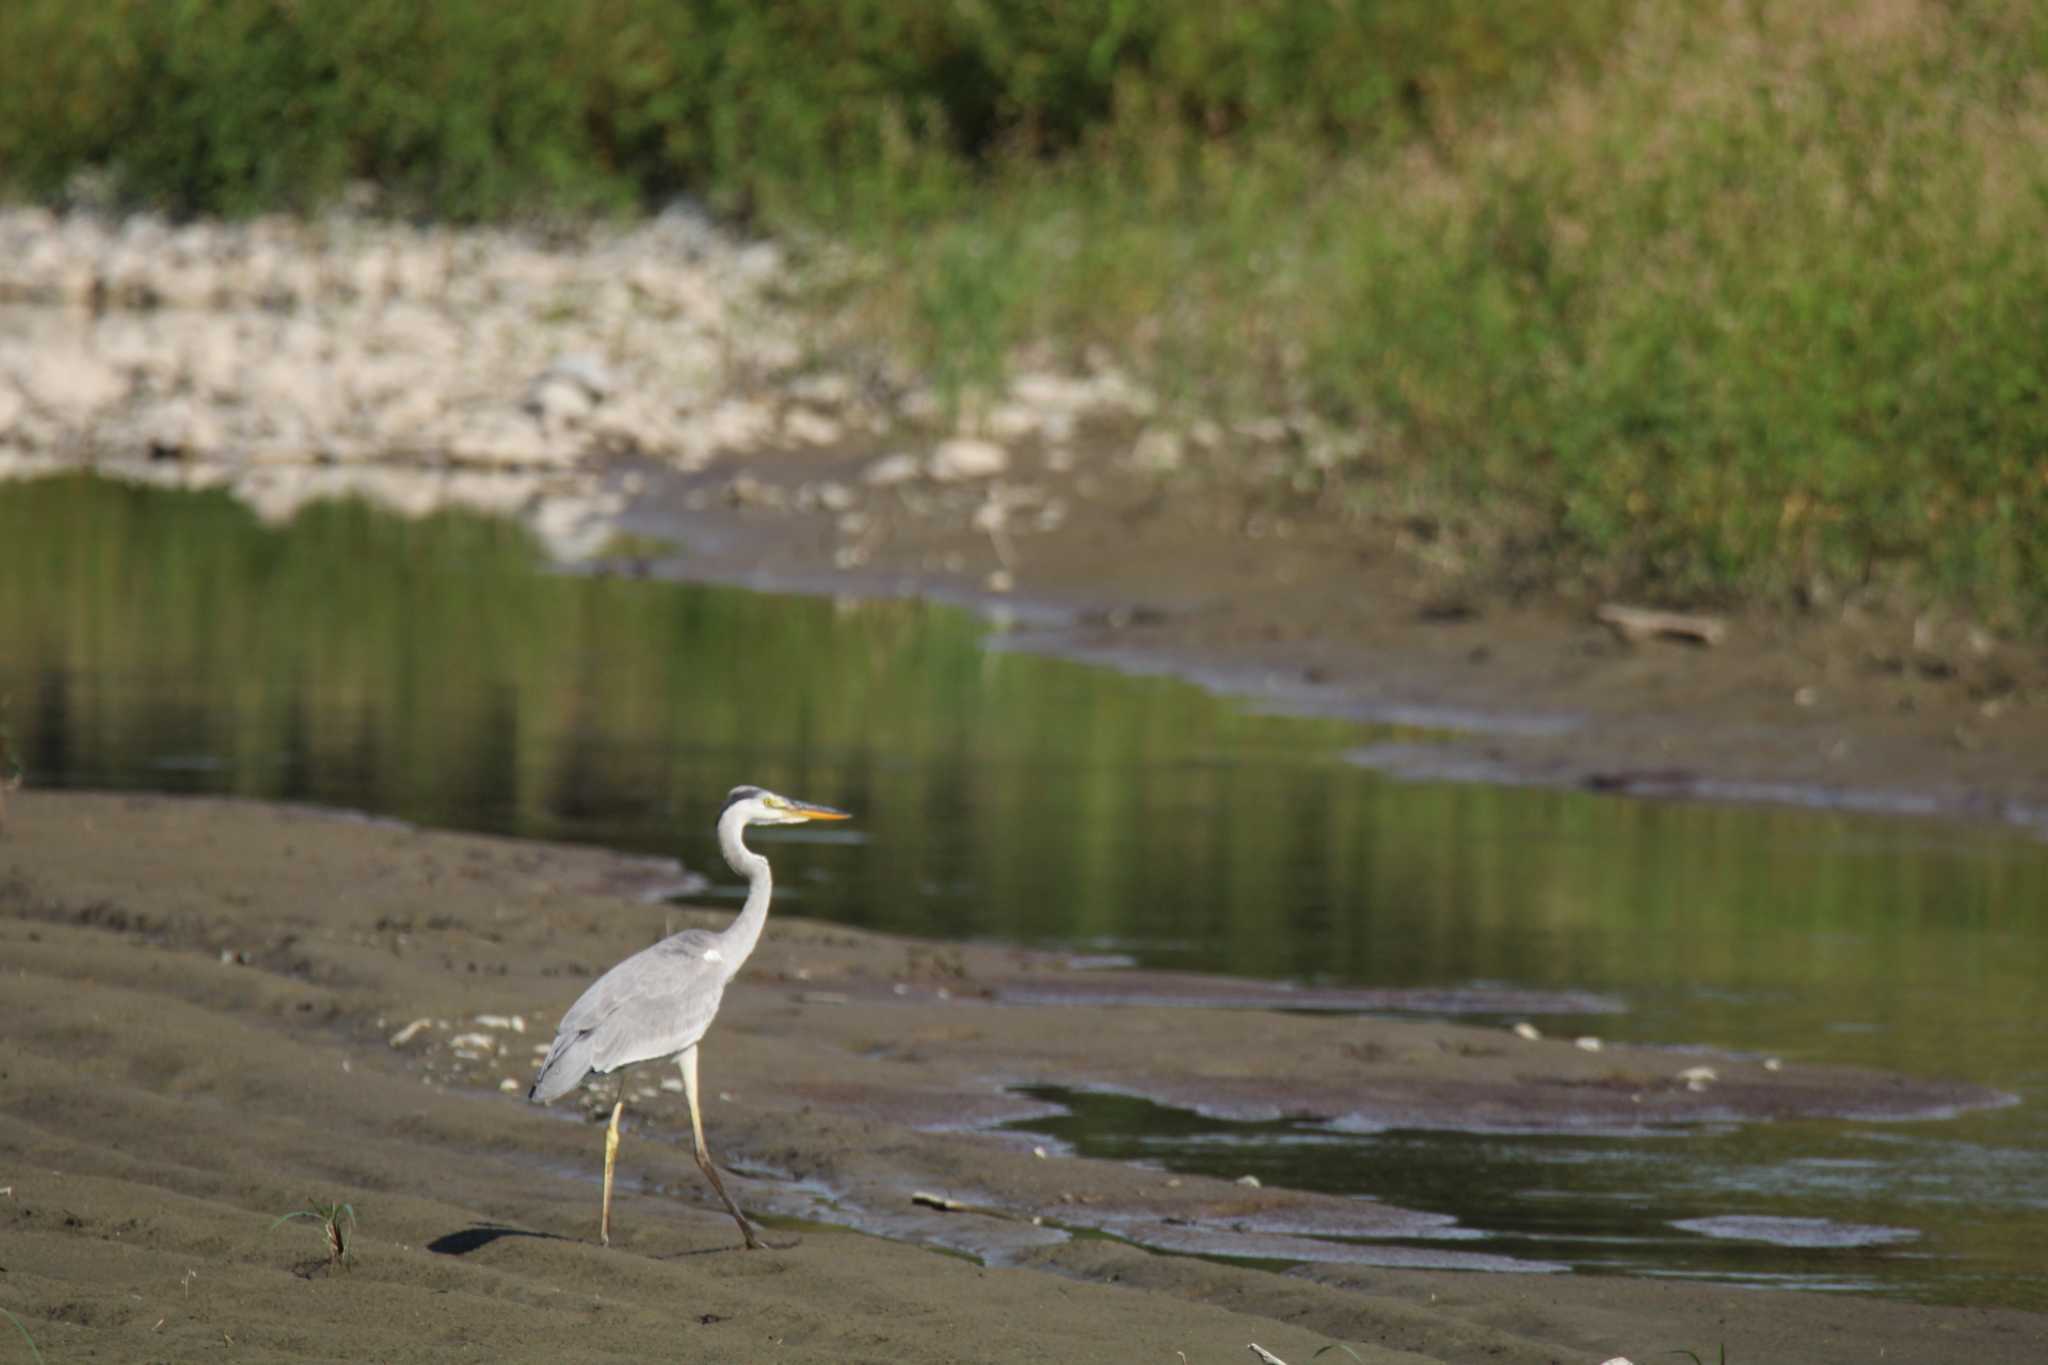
<point>947,1204</point>
<point>1636,624</point>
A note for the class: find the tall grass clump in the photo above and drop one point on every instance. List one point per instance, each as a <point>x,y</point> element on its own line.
<point>1749,306</point>
<point>1756,305</point>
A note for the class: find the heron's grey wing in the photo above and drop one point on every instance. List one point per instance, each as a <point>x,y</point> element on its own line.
<point>653,1004</point>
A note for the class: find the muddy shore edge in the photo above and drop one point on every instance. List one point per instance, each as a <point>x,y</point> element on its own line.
<point>1848,711</point>
<point>219,1011</point>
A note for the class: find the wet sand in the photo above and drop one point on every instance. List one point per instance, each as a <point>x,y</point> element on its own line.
<point>218,1011</point>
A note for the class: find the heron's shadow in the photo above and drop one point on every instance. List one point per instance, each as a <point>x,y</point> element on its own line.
<point>694,1251</point>
<point>482,1235</point>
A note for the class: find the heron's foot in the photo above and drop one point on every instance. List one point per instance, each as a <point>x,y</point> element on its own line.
<point>758,1240</point>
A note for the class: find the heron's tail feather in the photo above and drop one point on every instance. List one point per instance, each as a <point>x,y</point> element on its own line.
<point>567,1064</point>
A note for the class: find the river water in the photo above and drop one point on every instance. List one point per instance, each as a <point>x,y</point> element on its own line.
<point>438,670</point>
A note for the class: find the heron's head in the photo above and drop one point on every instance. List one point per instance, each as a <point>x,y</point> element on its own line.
<point>758,806</point>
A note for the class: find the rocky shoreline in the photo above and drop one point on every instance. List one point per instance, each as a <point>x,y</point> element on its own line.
<point>421,367</point>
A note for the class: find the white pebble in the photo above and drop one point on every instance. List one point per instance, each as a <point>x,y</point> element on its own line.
<point>812,428</point>
<point>1528,1031</point>
<point>409,1032</point>
<point>965,457</point>
<point>891,470</point>
<point>585,370</point>
<point>1698,1077</point>
<point>1157,451</point>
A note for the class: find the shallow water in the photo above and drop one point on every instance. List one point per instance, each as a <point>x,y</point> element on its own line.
<point>436,671</point>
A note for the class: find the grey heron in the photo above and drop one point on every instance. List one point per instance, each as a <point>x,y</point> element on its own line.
<point>658,1002</point>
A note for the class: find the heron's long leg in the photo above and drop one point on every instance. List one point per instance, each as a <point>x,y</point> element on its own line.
<point>611,1156</point>
<point>688,1062</point>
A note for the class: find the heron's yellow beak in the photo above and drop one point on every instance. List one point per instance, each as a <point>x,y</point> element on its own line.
<point>807,811</point>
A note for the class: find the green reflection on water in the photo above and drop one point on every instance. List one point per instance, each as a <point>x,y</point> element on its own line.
<point>431,670</point>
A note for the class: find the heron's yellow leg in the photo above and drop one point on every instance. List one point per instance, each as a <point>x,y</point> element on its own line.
<point>688,1062</point>
<point>611,1156</point>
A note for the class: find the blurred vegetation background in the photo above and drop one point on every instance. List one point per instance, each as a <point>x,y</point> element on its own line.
<point>1707,301</point>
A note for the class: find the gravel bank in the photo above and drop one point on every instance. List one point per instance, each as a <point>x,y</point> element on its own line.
<point>500,370</point>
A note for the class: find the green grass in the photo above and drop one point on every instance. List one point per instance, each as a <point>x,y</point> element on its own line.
<point>1744,313</point>
<point>470,109</point>
<point>34,1352</point>
<point>337,1222</point>
<point>1707,303</point>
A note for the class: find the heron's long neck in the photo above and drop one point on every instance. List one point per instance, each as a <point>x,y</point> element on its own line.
<point>741,935</point>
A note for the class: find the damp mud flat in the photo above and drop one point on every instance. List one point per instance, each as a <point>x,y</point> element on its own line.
<point>219,1012</point>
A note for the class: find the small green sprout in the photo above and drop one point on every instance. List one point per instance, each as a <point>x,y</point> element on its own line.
<point>337,1221</point>
<point>25,1336</point>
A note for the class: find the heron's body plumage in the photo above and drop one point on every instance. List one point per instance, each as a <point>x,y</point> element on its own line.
<point>648,1008</point>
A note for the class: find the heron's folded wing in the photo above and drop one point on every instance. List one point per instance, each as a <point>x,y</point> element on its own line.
<point>653,1004</point>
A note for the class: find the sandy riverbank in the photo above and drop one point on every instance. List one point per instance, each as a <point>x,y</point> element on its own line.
<point>201,1006</point>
